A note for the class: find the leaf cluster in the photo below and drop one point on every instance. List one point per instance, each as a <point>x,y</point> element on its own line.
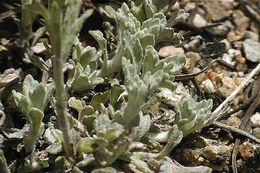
<point>112,124</point>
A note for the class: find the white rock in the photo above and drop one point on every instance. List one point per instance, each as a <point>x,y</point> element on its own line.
<point>170,50</point>
<point>190,6</point>
<point>234,52</point>
<point>208,86</point>
<point>199,21</point>
<point>255,120</point>
<point>38,48</point>
<point>228,59</point>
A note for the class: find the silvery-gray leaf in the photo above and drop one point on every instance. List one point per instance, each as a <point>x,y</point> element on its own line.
<point>105,170</point>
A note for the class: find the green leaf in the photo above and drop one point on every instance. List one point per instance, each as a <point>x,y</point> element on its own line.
<point>116,91</point>
<point>107,129</point>
<point>57,134</point>
<point>86,161</point>
<point>37,96</point>
<point>88,56</point>
<point>54,149</point>
<point>34,95</point>
<point>85,145</point>
<point>76,170</point>
<point>76,104</point>
<point>29,84</point>
<point>99,98</point>
<point>22,102</point>
<point>34,133</point>
<point>84,79</point>
<point>192,115</point>
<point>105,170</point>
<point>87,120</point>
<point>71,29</point>
<point>110,12</point>
<point>144,126</point>
<point>98,35</point>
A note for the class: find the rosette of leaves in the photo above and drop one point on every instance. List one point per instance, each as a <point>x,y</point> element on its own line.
<point>84,74</point>
<point>133,37</point>
<point>192,115</point>
<point>141,84</point>
<point>32,101</point>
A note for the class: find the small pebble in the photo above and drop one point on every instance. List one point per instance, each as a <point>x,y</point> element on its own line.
<point>233,36</point>
<point>241,59</point>
<point>234,52</point>
<point>251,49</point>
<point>228,59</point>
<point>212,75</point>
<point>170,50</point>
<point>199,21</point>
<point>208,86</point>
<point>227,4</point>
<point>229,83</point>
<point>251,35</point>
<point>190,6</point>
<point>256,132</point>
<point>194,56</point>
<point>234,121</point>
<point>196,43</point>
<point>241,21</point>
<point>227,43</point>
<point>246,150</point>
<point>255,120</point>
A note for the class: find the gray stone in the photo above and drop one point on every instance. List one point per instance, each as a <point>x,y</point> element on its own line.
<point>252,50</point>
<point>234,121</point>
<point>255,120</point>
<point>251,35</point>
<point>256,132</point>
<point>199,21</point>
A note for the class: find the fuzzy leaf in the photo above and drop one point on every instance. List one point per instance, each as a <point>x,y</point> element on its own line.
<point>22,102</point>
<point>98,99</point>
<point>107,129</point>
<point>36,124</point>
<point>98,35</point>
<point>76,104</point>
<point>192,115</point>
<point>70,31</point>
<point>105,170</point>
<point>85,145</point>
<point>116,91</point>
<point>35,95</point>
<point>84,79</point>
<point>144,126</point>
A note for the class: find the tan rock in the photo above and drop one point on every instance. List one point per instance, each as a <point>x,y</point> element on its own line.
<point>170,50</point>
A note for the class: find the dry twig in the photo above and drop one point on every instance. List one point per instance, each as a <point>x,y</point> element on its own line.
<point>222,107</point>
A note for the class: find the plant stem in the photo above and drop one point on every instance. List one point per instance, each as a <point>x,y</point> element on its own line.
<point>61,105</point>
<point>175,137</point>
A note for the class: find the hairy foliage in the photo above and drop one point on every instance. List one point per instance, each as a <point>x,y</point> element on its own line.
<point>107,126</point>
